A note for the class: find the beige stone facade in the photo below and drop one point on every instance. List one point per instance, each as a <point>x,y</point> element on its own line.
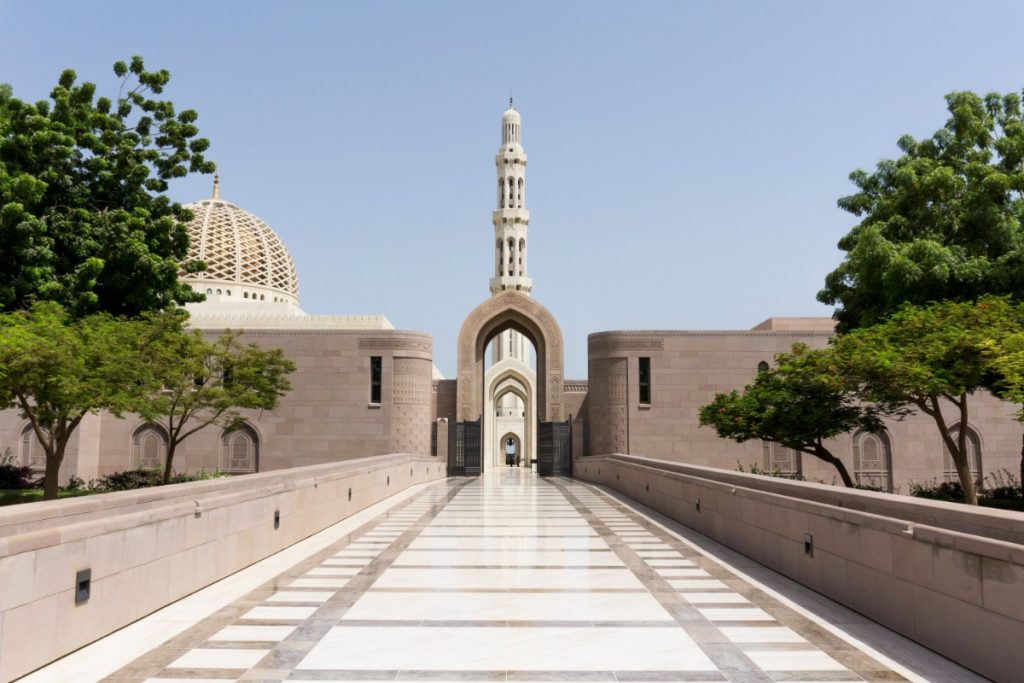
<point>689,367</point>
<point>331,415</point>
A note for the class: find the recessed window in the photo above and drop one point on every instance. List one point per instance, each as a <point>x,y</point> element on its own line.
<point>376,376</point>
<point>645,380</point>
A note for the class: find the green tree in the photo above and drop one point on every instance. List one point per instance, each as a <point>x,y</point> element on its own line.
<point>941,222</point>
<point>55,370</point>
<point>83,218</point>
<point>800,403</point>
<point>193,383</point>
<point>932,358</point>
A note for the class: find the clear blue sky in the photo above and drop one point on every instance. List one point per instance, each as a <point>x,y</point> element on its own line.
<point>685,157</point>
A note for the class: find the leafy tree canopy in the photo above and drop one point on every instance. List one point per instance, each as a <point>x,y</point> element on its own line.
<point>54,371</point>
<point>942,222</point>
<point>193,383</point>
<point>83,218</point>
<point>800,403</point>
<point>932,358</point>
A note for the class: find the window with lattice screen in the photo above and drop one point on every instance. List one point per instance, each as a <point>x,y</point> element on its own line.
<point>973,444</point>
<point>872,460</point>
<point>149,448</point>
<point>777,459</point>
<point>239,450</point>
<point>32,453</point>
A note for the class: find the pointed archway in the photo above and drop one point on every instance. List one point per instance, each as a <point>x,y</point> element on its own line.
<point>513,310</point>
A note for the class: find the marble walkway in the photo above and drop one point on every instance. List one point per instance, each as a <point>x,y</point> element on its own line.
<point>507,577</point>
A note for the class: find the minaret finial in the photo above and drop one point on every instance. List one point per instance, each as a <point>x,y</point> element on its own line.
<point>510,101</point>
<point>216,186</point>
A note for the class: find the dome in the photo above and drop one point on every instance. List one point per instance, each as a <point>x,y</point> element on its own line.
<point>510,115</point>
<point>245,259</point>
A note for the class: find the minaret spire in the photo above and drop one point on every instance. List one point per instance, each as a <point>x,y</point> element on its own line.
<point>216,186</point>
<point>511,218</point>
<point>511,221</point>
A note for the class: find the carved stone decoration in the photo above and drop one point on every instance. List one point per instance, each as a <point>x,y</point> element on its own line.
<point>510,310</point>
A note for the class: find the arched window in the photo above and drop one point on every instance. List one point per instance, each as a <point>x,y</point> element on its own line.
<point>209,291</point>
<point>520,196</point>
<point>149,447</point>
<point>240,450</point>
<point>501,193</point>
<point>973,455</point>
<point>872,459</point>
<point>511,192</point>
<point>777,459</point>
<point>229,292</point>
<point>218,292</point>
<point>262,297</point>
<point>32,453</point>
<point>762,366</point>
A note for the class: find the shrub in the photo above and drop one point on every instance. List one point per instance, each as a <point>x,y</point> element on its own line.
<point>139,479</point>
<point>754,468</point>
<point>946,490</point>
<point>13,475</point>
<point>1003,485</point>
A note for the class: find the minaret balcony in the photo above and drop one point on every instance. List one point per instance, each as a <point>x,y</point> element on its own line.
<point>514,282</point>
<point>510,216</point>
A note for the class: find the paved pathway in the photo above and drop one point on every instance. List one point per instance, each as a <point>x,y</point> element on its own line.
<point>510,578</point>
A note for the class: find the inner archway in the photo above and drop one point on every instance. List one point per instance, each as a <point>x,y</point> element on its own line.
<point>511,449</point>
<point>509,378</point>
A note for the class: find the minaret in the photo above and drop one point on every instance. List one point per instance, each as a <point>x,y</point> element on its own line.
<point>511,219</point>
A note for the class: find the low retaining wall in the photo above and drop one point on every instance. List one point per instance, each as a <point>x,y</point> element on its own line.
<point>147,548</point>
<point>945,575</point>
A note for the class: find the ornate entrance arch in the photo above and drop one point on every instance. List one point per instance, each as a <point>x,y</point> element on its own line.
<point>510,310</point>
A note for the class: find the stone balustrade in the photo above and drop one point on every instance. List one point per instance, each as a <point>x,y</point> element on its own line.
<point>145,549</point>
<point>948,576</point>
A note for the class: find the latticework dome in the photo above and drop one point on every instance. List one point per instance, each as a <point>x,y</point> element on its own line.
<point>245,259</point>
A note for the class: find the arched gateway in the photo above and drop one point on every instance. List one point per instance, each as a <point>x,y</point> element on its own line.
<point>512,310</point>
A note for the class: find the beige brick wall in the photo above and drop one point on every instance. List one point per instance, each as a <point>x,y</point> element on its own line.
<point>689,368</point>
<point>326,417</point>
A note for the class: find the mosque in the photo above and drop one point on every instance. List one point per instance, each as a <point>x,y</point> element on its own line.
<point>364,388</point>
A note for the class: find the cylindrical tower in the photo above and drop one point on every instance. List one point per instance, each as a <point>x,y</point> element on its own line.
<point>511,220</point>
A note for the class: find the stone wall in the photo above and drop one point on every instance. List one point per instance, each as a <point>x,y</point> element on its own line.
<point>947,576</point>
<point>326,417</point>
<point>689,368</point>
<point>150,547</point>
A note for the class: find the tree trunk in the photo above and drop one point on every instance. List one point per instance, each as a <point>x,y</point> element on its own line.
<point>958,449</point>
<point>963,472</point>
<point>170,458</point>
<point>51,479</point>
<point>823,453</point>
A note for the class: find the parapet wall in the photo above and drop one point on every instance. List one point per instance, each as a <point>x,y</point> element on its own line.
<point>148,548</point>
<point>945,575</point>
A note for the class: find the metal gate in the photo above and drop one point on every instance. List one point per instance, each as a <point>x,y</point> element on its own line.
<point>464,457</point>
<point>554,448</point>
